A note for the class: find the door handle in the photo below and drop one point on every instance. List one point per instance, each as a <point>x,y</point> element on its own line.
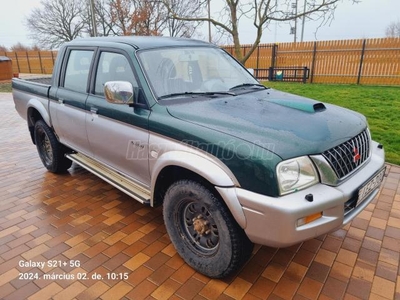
<point>61,101</point>
<point>93,110</point>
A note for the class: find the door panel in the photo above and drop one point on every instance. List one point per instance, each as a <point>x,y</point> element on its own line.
<point>117,133</point>
<point>69,122</point>
<point>70,101</point>
<point>117,139</point>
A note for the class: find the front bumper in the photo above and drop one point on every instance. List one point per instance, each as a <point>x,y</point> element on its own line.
<point>274,221</point>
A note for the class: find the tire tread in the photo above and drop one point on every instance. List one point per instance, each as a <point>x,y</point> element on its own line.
<point>60,163</point>
<point>241,246</point>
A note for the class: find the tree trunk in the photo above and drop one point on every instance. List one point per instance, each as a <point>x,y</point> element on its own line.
<point>235,32</point>
<point>237,46</point>
<point>255,45</point>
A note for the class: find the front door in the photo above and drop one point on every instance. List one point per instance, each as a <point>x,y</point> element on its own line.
<point>118,134</point>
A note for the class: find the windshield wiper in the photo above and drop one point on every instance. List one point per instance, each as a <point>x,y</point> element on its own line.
<point>195,93</point>
<point>248,85</point>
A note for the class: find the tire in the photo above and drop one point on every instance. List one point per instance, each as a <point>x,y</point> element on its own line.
<point>203,231</point>
<point>51,152</point>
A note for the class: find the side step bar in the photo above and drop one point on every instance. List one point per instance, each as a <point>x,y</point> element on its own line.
<point>122,183</point>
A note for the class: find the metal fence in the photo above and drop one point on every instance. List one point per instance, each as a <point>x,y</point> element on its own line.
<point>362,61</point>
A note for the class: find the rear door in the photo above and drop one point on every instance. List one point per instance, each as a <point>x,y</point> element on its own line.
<point>117,133</point>
<point>69,103</point>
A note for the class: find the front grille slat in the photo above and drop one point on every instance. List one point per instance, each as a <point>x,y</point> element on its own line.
<point>365,138</point>
<point>347,157</point>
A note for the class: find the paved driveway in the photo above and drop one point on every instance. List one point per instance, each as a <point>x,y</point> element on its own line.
<point>115,248</point>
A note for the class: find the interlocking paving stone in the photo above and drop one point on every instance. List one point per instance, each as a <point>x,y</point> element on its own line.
<point>79,218</point>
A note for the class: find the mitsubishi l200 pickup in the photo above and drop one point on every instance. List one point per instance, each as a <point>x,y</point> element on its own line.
<point>182,124</point>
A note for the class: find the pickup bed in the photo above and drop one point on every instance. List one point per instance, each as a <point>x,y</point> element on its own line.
<point>180,123</point>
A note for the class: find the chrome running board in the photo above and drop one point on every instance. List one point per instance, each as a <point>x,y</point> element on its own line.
<point>117,180</point>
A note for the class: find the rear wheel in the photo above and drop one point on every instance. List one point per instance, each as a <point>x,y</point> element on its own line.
<point>51,152</point>
<point>203,231</point>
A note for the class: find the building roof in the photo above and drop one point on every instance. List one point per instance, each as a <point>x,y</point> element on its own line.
<point>4,58</point>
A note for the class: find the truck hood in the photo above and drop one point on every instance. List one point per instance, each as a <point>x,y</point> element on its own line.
<point>285,124</point>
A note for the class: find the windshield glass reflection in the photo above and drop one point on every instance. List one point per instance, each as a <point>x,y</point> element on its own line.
<point>192,70</point>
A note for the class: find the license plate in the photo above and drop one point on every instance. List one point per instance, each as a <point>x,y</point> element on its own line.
<point>370,186</point>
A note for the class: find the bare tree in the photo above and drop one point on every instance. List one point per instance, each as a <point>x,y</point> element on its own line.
<point>181,28</point>
<point>393,29</point>
<point>19,47</point>
<point>57,22</point>
<point>149,17</point>
<point>121,16</point>
<point>104,20</point>
<point>146,17</point>
<point>137,17</point>
<point>261,12</point>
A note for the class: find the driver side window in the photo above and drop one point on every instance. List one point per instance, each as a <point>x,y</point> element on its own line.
<point>113,67</point>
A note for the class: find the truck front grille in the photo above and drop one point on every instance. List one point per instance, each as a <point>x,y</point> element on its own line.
<point>348,156</point>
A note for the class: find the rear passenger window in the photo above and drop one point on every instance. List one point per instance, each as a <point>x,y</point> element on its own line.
<point>76,74</point>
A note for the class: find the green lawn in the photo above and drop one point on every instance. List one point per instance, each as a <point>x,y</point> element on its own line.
<point>380,104</point>
<point>5,87</point>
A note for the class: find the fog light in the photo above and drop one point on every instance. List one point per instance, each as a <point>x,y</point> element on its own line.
<point>308,219</point>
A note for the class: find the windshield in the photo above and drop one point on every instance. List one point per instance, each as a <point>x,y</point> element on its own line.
<point>193,70</point>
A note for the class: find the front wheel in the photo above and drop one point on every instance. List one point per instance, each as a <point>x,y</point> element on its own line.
<point>51,152</point>
<point>203,231</point>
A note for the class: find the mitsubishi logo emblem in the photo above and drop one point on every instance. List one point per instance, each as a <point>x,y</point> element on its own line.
<point>356,155</point>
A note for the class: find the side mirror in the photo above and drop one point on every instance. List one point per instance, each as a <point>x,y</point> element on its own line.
<point>119,92</point>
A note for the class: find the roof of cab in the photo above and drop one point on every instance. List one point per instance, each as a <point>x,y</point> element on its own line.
<point>139,42</point>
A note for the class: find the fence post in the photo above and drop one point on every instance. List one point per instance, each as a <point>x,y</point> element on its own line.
<point>361,61</point>
<point>40,61</point>
<point>313,62</point>
<point>16,58</point>
<point>273,56</point>
<point>270,73</point>
<point>52,58</point>
<point>305,70</point>
<point>29,63</point>
<point>258,56</point>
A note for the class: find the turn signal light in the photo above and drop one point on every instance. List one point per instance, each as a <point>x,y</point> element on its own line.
<point>308,219</point>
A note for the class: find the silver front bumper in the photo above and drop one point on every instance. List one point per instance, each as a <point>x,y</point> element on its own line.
<point>274,221</point>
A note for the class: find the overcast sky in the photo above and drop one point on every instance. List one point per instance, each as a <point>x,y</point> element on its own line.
<point>367,19</point>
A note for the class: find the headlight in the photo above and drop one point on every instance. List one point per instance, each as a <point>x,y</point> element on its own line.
<point>296,174</point>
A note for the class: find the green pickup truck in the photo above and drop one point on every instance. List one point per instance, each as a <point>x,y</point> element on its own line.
<point>180,123</point>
